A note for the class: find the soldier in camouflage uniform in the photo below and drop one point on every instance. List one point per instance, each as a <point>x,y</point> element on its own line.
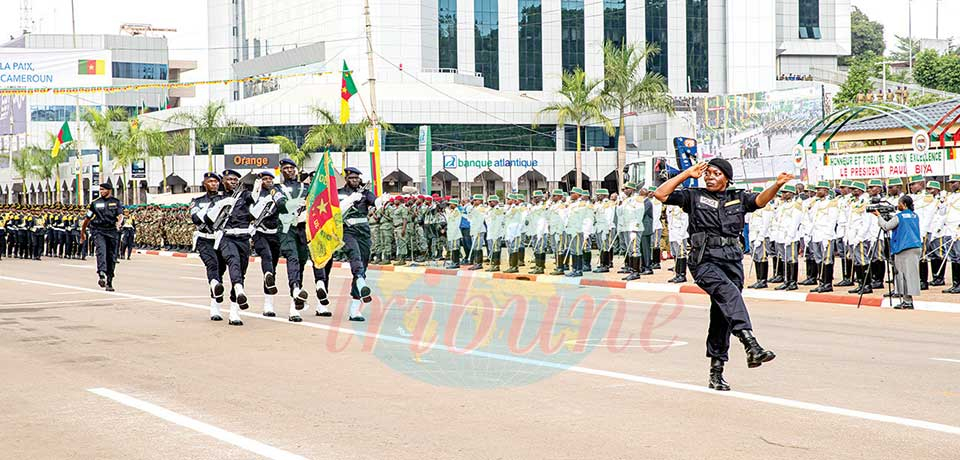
<point>374,220</point>
<point>386,232</point>
<point>401,218</point>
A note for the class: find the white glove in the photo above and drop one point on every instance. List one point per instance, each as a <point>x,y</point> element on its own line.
<point>215,210</point>
<point>350,199</point>
<point>258,208</point>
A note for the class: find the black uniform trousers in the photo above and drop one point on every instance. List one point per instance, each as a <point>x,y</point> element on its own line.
<point>267,246</point>
<point>38,244</point>
<point>105,242</point>
<point>357,247</point>
<point>646,251</point>
<point>126,243</point>
<point>236,253</point>
<point>293,247</point>
<point>720,274</point>
<point>212,260</point>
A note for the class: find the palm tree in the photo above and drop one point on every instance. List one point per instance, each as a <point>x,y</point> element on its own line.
<point>160,144</point>
<point>331,133</point>
<point>290,149</point>
<point>213,128</point>
<point>582,104</point>
<point>103,130</point>
<point>128,149</point>
<point>629,86</point>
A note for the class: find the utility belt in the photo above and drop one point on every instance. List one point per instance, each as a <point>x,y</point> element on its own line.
<point>355,221</point>
<point>266,231</point>
<point>701,241</point>
<point>238,231</point>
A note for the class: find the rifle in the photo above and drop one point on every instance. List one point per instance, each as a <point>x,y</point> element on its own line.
<point>221,220</point>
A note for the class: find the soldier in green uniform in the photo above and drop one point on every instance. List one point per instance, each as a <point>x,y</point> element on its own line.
<point>401,218</point>
<point>375,249</point>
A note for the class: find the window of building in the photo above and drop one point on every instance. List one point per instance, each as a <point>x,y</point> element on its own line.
<point>256,47</point>
<point>698,62</point>
<point>447,20</point>
<point>404,137</point>
<point>139,70</point>
<point>656,33</point>
<point>57,112</point>
<point>531,45</point>
<point>810,19</point>
<point>615,21</point>
<point>572,40</point>
<point>590,136</point>
<point>486,42</point>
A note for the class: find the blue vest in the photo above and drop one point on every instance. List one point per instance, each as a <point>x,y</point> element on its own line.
<point>907,234</point>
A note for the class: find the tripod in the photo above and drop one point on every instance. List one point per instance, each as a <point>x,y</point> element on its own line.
<point>890,272</point>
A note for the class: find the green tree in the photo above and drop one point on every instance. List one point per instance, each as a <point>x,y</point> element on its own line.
<point>213,128</point>
<point>159,144</point>
<point>298,153</point>
<point>629,87</point>
<point>331,133</point>
<point>103,129</point>
<point>581,104</point>
<point>927,68</point>
<point>903,49</point>
<point>865,36</point>
<point>858,81</point>
<point>128,149</point>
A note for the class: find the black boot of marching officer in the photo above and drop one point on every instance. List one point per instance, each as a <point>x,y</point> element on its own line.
<point>777,271</point>
<point>846,269</point>
<point>812,278</point>
<point>716,376</point>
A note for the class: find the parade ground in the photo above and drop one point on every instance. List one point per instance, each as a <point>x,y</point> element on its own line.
<point>454,367</point>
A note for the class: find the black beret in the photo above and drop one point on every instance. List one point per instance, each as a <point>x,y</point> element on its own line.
<point>351,169</point>
<point>106,186</point>
<point>267,174</point>
<point>211,175</point>
<point>724,167</point>
<point>287,161</point>
<point>230,172</point>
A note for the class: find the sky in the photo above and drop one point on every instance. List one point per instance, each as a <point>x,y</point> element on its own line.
<point>189,17</point>
<point>893,15</point>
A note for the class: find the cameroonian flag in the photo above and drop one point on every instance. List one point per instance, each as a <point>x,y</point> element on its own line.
<point>347,89</point>
<point>62,138</point>
<point>324,219</point>
<point>826,160</point>
<point>90,67</point>
<point>952,153</point>
<point>373,147</point>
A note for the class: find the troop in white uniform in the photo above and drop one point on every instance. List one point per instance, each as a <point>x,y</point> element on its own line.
<point>678,234</point>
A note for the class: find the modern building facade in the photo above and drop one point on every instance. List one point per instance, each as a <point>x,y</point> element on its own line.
<point>127,60</point>
<point>480,72</point>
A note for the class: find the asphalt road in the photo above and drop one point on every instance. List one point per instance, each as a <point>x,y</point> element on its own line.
<point>454,367</point>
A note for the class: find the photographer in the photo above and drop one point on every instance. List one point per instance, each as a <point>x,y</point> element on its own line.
<point>905,247</point>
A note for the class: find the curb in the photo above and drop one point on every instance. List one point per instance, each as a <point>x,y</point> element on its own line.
<point>836,299</point>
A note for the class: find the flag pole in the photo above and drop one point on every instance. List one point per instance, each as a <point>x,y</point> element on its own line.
<point>79,165</point>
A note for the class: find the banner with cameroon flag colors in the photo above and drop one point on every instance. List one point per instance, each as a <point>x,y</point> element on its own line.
<point>324,219</point>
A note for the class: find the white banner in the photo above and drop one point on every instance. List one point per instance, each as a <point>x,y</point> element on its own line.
<point>54,68</point>
<point>885,165</point>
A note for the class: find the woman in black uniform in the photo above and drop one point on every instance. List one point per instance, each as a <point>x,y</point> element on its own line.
<point>716,257</point>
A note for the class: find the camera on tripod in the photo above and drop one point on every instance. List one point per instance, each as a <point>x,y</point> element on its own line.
<point>885,209</point>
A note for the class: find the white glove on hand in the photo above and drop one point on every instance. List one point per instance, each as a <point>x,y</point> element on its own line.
<point>218,207</point>
<point>349,200</point>
<point>258,208</point>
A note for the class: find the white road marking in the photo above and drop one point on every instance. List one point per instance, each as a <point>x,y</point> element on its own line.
<point>195,278</point>
<point>31,304</point>
<point>772,400</point>
<point>947,360</point>
<point>242,442</point>
<point>77,266</point>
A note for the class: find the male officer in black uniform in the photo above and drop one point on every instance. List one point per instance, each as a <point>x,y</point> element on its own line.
<point>356,201</point>
<point>293,241</point>
<point>716,258</point>
<point>104,216</point>
<point>203,212</point>
<point>234,240</point>
<point>265,241</point>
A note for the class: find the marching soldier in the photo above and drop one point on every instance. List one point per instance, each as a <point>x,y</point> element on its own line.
<point>234,240</point>
<point>266,242</point>
<point>204,210</point>
<point>356,201</point>
<point>104,216</point>
<point>293,241</point>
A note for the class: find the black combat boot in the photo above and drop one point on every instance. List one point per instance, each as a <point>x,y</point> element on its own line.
<point>758,266</point>
<point>924,276</point>
<point>778,268</point>
<point>716,376</point>
<point>935,267</point>
<point>681,270</point>
<point>826,280</point>
<point>514,263</point>
<point>955,274</point>
<point>846,267</point>
<point>812,275</point>
<point>786,278</point>
<point>756,355</point>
